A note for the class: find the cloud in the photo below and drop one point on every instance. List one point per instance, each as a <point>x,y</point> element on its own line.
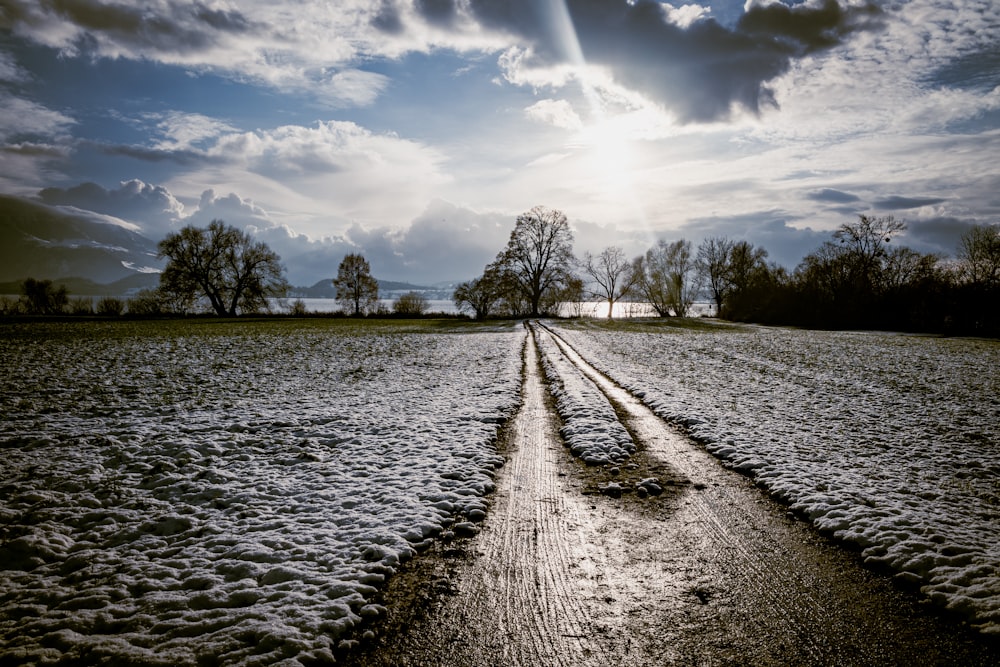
<point>33,140</point>
<point>445,242</point>
<point>898,203</point>
<point>786,244</point>
<point>114,29</point>
<point>701,71</point>
<point>289,46</point>
<point>832,195</point>
<point>438,12</point>
<point>22,119</point>
<point>180,131</point>
<point>559,113</point>
<point>331,170</point>
<point>231,208</point>
<point>936,234</point>
<point>685,15</point>
<point>10,71</point>
<point>681,57</point>
<point>151,207</point>
<point>354,87</point>
<point>318,177</point>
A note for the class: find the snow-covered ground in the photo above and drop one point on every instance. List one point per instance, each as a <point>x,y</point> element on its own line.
<point>590,428</point>
<point>177,492</point>
<point>890,442</point>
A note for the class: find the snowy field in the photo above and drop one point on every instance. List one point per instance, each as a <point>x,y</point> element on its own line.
<point>180,492</point>
<point>890,442</point>
<point>591,428</point>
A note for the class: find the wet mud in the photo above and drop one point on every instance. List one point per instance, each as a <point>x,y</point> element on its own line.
<point>709,571</point>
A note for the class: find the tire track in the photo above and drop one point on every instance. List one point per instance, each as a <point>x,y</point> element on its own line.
<point>709,573</point>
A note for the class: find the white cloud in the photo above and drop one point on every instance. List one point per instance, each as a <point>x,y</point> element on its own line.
<point>519,68</point>
<point>559,113</point>
<point>186,131</point>
<point>319,178</point>
<point>231,208</point>
<point>684,15</point>
<point>355,87</point>
<point>23,118</point>
<point>10,71</point>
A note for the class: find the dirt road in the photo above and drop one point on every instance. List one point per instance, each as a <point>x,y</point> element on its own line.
<point>709,572</point>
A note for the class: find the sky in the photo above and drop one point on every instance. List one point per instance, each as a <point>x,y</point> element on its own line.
<point>415,131</point>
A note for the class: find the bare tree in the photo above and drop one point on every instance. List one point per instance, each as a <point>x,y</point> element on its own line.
<point>612,274</point>
<point>979,256</point>
<point>224,265</point>
<point>670,278</point>
<point>539,256</point>
<point>357,291</point>
<point>714,256</point>
<point>41,296</point>
<point>864,247</point>
<point>905,266</point>
<point>746,265</point>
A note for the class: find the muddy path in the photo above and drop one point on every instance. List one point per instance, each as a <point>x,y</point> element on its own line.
<point>710,572</point>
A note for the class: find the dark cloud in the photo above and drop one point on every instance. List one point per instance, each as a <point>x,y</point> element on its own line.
<point>940,235</point>
<point>36,150</point>
<point>182,157</point>
<point>701,71</point>
<point>785,245</point>
<point>439,12</point>
<point>897,203</point>
<point>832,195</point>
<point>170,27</point>
<point>805,29</point>
<point>387,19</point>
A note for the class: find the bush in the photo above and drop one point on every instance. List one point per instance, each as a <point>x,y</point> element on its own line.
<point>298,308</point>
<point>81,305</point>
<point>146,303</point>
<point>10,306</point>
<point>110,306</point>
<point>411,303</point>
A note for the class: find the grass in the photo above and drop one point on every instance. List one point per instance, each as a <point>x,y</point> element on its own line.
<point>664,325</point>
<point>54,330</point>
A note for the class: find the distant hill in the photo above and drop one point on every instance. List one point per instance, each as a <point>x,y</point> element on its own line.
<point>85,287</point>
<point>388,289</point>
<point>38,241</point>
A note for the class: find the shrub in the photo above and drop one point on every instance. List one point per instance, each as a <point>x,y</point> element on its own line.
<point>298,308</point>
<point>110,306</point>
<point>146,303</point>
<point>9,306</point>
<point>81,305</point>
<point>411,303</point>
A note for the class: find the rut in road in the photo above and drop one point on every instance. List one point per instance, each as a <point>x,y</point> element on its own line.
<point>711,572</point>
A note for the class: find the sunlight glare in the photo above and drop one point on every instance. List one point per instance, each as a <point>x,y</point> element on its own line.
<point>605,140</point>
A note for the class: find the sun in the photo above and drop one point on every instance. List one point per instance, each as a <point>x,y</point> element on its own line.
<point>609,151</point>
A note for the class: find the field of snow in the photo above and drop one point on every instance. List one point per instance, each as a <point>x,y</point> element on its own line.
<point>180,492</point>
<point>889,442</point>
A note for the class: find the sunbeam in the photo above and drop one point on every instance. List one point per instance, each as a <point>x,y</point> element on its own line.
<point>607,144</point>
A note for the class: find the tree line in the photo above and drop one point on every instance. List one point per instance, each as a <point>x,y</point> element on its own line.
<point>857,279</point>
